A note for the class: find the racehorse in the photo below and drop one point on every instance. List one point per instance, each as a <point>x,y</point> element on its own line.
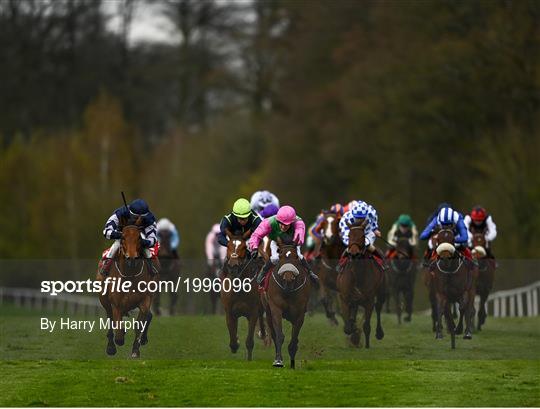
<point>360,283</point>
<point>129,265</point>
<point>402,275</point>
<point>241,303</point>
<point>170,269</point>
<point>486,274</point>
<point>330,251</point>
<point>454,280</point>
<point>286,296</point>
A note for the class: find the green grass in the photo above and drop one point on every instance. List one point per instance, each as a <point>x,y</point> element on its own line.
<point>188,363</point>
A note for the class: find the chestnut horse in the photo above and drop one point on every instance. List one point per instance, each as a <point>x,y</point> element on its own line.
<point>170,269</point>
<point>287,296</point>
<point>402,276</point>
<point>360,283</point>
<point>486,274</point>
<point>330,251</point>
<point>241,303</point>
<point>129,265</point>
<point>454,280</point>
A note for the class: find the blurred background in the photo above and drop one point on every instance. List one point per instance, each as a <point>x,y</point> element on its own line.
<point>190,104</point>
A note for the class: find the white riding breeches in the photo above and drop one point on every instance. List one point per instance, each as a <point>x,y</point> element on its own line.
<point>274,256</point>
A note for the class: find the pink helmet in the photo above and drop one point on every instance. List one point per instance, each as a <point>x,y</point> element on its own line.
<point>286,215</point>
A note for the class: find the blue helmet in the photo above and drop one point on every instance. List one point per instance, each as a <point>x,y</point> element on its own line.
<point>138,208</point>
<point>447,216</point>
<point>360,210</point>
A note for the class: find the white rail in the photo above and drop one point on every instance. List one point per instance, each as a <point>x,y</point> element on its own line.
<point>32,298</point>
<point>518,302</point>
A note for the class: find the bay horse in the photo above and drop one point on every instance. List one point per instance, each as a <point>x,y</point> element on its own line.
<point>170,269</point>
<point>129,265</point>
<point>402,276</point>
<point>330,250</point>
<point>454,281</point>
<point>286,296</point>
<point>360,283</point>
<point>241,303</point>
<point>486,274</point>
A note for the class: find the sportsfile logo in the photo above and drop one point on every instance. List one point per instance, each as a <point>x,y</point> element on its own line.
<point>114,284</point>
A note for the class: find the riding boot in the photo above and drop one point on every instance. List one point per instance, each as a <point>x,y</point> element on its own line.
<point>314,278</point>
<point>263,271</point>
<point>105,266</point>
<point>379,253</point>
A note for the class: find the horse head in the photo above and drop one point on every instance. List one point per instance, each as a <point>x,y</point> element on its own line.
<point>131,247</point>
<point>444,243</point>
<point>357,238</point>
<point>288,268</point>
<point>330,227</point>
<point>479,245</point>
<point>236,249</point>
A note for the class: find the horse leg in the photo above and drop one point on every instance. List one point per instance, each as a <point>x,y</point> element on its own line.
<point>144,336</point>
<point>450,324</point>
<point>379,333</point>
<point>482,314</point>
<point>408,295</point>
<point>368,310</point>
<point>440,308</point>
<point>174,300</point>
<point>232,325</point>
<point>434,310</point>
<point>469,316</point>
<point>278,336</point>
<point>157,303</point>
<point>119,332</point>
<point>293,345</point>
<point>398,305</point>
<point>326,301</point>
<point>459,328</point>
<point>355,334</point>
<point>348,322</point>
<point>252,323</point>
<point>111,347</point>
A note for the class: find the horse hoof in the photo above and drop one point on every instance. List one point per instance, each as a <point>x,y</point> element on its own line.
<point>119,342</point>
<point>293,366</point>
<point>439,336</point>
<point>278,363</point>
<point>234,348</point>
<point>333,321</point>
<point>467,336</point>
<point>355,339</point>
<point>111,350</point>
<point>407,319</point>
<point>135,354</point>
<point>379,335</point>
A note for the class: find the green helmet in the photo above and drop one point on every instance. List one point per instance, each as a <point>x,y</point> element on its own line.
<point>405,220</point>
<point>241,208</point>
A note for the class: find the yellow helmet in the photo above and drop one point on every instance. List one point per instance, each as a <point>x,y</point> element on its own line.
<point>241,208</point>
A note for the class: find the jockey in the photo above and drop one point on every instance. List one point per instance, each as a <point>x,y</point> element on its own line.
<point>165,225</point>
<point>113,231</point>
<point>284,223</point>
<point>239,221</point>
<point>479,221</point>
<point>315,230</point>
<point>215,253</point>
<point>403,227</point>
<point>269,211</point>
<point>262,198</point>
<point>360,210</point>
<point>447,218</point>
